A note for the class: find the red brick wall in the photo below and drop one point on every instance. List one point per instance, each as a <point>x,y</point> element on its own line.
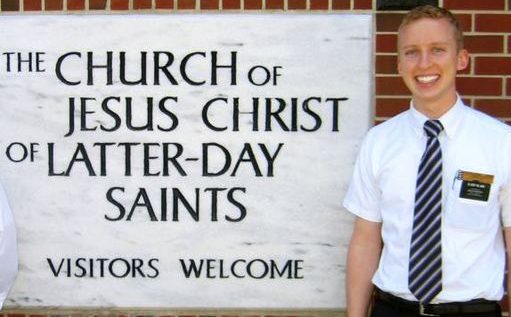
<point>133,6</point>
<point>486,84</point>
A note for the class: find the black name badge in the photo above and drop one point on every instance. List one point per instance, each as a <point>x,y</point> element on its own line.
<point>475,190</point>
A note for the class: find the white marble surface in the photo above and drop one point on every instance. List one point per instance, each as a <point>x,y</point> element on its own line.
<point>294,215</point>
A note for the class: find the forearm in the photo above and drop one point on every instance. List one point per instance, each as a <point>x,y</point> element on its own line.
<point>361,267</point>
<point>363,257</point>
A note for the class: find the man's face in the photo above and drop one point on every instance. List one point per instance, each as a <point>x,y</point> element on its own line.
<point>428,60</point>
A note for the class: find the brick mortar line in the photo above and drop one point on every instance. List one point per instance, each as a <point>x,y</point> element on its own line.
<point>489,54</point>
<point>492,98</point>
<point>475,11</point>
<point>472,65</point>
<point>481,76</point>
<point>131,10</point>
<point>485,33</point>
<point>504,86</point>
<point>473,22</point>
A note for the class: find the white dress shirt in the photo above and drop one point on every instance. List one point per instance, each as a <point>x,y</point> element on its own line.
<point>8,253</point>
<point>383,190</point>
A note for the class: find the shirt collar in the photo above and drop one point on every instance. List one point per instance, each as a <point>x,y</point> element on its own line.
<point>450,120</point>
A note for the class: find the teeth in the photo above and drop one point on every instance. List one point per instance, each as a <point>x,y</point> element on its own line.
<point>427,79</point>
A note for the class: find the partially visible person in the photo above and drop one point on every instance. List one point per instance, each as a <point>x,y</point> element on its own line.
<point>431,191</point>
<point>8,249</point>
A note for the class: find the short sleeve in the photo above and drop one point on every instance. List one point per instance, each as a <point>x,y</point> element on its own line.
<point>363,195</point>
<point>8,249</point>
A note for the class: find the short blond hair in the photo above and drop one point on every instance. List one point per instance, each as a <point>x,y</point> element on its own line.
<point>432,12</point>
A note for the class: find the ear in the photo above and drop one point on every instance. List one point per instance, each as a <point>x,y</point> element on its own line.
<point>463,59</point>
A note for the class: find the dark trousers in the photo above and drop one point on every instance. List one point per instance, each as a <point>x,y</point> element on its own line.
<point>385,309</point>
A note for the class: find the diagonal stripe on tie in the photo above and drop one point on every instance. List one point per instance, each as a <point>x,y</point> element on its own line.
<point>422,233</point>
<point>434,172</point>
<point>434,241</point>
<point>423,228</point>
<point>429,163</point>
<point>429,196</point>
<point>425,267</point>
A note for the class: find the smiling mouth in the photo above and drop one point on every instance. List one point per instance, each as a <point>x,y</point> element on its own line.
<point>427,79</point>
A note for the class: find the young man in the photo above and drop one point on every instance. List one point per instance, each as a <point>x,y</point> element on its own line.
<point>8,254</point>
<point>430,191</point>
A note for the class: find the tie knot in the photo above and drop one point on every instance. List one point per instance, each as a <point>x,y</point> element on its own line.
<point>433,128</point>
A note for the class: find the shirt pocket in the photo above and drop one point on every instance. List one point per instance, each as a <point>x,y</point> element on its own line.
<point>471,214</point>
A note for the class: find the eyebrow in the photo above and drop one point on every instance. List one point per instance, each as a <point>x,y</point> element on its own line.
<point>430,44</point>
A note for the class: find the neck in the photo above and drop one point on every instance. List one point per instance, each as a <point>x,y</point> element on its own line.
<point>434,110</point>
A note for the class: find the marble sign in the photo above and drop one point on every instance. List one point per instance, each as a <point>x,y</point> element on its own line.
<point>186,160</point>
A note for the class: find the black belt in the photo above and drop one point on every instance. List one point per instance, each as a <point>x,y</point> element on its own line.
<point>470,307</point>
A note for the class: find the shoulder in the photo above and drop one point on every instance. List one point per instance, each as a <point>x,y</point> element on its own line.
<point>489,133</point>
<point>383,136</point>
<point>389,129</point>
<point>486,124</point>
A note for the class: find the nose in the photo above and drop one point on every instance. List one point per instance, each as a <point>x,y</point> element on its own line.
<point>424,60</point>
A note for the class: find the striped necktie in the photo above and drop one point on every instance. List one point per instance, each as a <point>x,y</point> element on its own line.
<point>425,268</point>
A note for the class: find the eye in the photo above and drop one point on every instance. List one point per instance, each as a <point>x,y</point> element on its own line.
<point>438,50</point>
<point>410,53</point>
